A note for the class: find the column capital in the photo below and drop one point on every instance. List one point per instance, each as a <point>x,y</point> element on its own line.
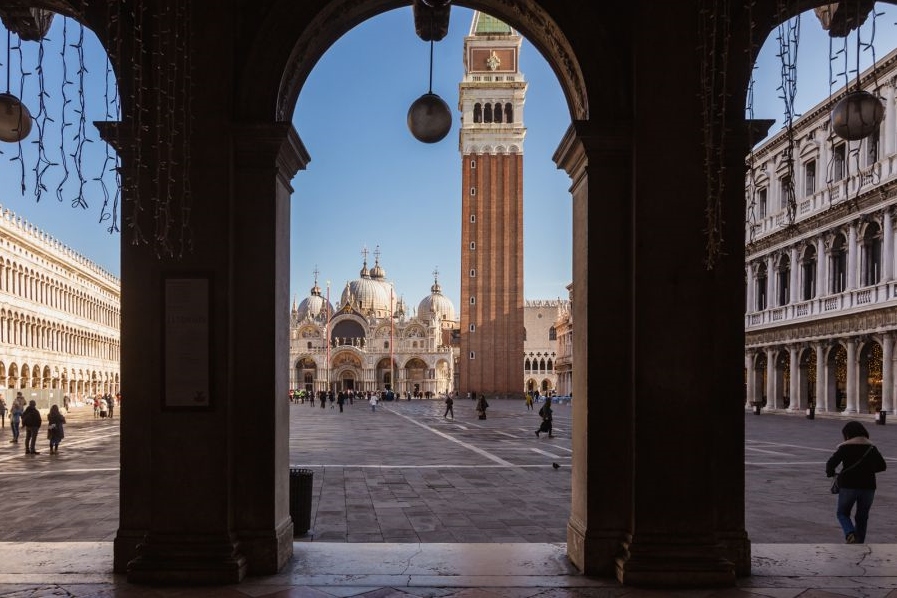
<point>270,144</point>
<point>585,139</point>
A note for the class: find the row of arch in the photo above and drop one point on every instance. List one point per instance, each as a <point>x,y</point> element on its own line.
<point>347,372</point>
<point>857,255</point>
<point>28,332</point>
<point>538,365</point>
<point>851,375</point>
<point>17,280</point>
<point>493,113</point>
<point>79,381</point>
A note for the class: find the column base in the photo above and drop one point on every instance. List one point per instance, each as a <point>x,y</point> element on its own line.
<point>593,553</point>
<point>737,550</point>
<point>675,562</point>
<point>188,560</point>
<point>267,553</point>
<point>124,548</point>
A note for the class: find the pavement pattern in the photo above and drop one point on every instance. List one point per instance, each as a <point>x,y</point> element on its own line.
<point>403,478</point>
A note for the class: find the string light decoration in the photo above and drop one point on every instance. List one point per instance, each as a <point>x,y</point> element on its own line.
<point>751,192</point>
<point>159,68</point>
<point>788,36</point>
<point>715,35</point>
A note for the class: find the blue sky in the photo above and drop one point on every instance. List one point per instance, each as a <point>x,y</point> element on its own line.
<point>369,182</point>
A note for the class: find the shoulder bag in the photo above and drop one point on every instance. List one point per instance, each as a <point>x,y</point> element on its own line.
<point>836,484</point>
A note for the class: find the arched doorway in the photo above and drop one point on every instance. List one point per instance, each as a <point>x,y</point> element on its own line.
<point>870,377</point>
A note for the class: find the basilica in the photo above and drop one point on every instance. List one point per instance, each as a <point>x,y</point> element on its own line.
<point>371,341</point>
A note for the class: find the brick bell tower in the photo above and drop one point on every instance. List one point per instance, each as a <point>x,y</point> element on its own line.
<point>491,99</point>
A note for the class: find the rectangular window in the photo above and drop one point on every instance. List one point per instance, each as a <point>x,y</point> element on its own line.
<point>786,192</point>
<point>473,163</point>
<point>473,273</point>
<point>472,327</point>
<point>473,217</point>
<point>761,203</point>
<point>473,245</point>
<point>473,191</point>
<point>872,143</point>
<point>473,300</point>
<point>839,162</point>
<point>810,177</point>
<point>473,355</point>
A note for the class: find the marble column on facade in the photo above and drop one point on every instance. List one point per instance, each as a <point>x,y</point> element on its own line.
<point>887,249</point>
<point>750,283</point>
<point>852,257</point>
<point>771,279</point>
<point>887,372</point>
<point>853,400</point>
<point>795,402</point>
<point>793,285</point>
<point>750,389</point>
<point>821,287</point>
<point>771,394</point>
<point>821,398</point>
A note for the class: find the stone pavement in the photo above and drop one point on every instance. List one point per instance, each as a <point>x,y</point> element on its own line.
<point>406,503</point>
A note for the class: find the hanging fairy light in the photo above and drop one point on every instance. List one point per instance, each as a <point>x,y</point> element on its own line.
<point>15,119</point>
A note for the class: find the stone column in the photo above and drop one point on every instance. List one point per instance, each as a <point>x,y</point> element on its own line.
<point>887,242</point>
<point>853,399</point>
<point>601,514</point>
<point>794,379</point>
<point>821,283</point>
<point>821,399</point>
<point>852,255</point>
<point>750,376</point>
<point>793,281</point>
<point>889,124</point>
<point>771,385</point>
<point>887,372</point>
<point>771,280</point>
<point>750,283</point>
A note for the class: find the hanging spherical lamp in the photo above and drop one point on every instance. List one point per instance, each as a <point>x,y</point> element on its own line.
<point>857,115</point>
<point>15,119</point>
<point>429,118</point>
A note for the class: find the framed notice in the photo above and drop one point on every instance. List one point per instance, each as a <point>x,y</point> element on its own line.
<point>187,326</point>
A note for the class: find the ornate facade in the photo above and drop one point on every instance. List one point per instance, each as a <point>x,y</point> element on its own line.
<point>59,318</point>
<point>821,291</point>
<point>369,341</point>
<point>564,329</point>
<point>540,344</point>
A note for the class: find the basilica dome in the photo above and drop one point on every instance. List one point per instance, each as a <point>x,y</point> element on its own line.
<point>436,303</point>
<point>314,305</point>
<point>370,295</point>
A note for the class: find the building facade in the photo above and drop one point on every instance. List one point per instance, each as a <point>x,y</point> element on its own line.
<point>368,340</point>
<point>59,318</point>
<point>821,293</point>
<point>491,98</point>
<point>563,327</point>
<point>540,345</point>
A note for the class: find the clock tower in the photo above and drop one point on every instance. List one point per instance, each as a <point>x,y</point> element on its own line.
<point>491,99</point>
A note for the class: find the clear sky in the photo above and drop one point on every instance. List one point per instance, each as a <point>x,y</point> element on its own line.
<point>369,182</point>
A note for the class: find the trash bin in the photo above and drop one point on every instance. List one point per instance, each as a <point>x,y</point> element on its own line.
<point>811,412</point>
<point>300,499</point>
<point>881,417</point>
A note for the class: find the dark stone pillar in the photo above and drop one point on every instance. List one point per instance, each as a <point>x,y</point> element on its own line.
<point>598,161</point>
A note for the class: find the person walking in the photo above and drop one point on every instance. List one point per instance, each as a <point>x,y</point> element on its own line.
<point>860,461</point>
<point>373,402</point>
<point>110,401</point>
<point>15,420</point>
<point>55,430</point>
<point>547,415</point>
<point>481,407</point>
<point>529,401</point>
<point>32,421</point>
<point>448,407</point>
<point>2,413</point>
<point>340,400</point>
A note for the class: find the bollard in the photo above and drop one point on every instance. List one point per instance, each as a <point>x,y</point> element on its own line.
<point>881,417</point>
<point>811,412</point>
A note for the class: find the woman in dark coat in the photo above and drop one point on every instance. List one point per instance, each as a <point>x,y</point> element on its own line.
<point>860,462</point>
<point>55,428</point>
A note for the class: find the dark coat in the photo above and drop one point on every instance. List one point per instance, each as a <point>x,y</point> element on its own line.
<point>850,452</point>
<point>31,417</point>
<point>56,433</point>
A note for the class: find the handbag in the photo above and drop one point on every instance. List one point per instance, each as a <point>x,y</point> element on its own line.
<point>836,483</point>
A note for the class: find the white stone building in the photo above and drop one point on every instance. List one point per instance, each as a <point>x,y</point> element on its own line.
<point>59,318</point>
<point>821,293</point>
<point>369,341</point>
<point>540,344</point>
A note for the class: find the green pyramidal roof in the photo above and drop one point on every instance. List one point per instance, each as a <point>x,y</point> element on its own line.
<point>489,25</point>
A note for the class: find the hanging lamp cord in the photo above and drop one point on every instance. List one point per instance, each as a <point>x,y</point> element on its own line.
<point>431,67</point>
<point>9,66</point>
